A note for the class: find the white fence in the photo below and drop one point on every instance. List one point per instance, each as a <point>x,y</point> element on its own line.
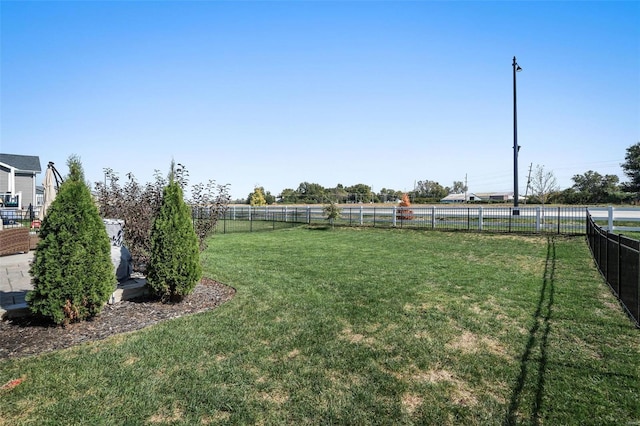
<point>617,215</point>
<point>531,219</point>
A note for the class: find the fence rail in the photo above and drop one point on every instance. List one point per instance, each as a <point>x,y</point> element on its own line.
<point>557,220</point>
<point>618,260</point>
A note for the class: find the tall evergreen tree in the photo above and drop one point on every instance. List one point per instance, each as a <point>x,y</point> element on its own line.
<point>174,267</point>
<point>631,168</point>
<point>73,276</point>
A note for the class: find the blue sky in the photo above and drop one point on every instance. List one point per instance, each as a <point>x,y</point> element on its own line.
<point>278,93</point>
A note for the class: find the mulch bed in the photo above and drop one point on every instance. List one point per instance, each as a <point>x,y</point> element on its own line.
<point>26,336</point>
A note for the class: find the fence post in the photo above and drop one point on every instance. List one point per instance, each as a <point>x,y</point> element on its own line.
<point>286,213</point>
<point>619,260</point>
<point>538,228</point>
<point>433,217</point>
<point>480,218</point>
<point>394,216</point>
<point>610,211</point>
<point>308,215</point>
<point>559,220</point>
<point>361,216</point>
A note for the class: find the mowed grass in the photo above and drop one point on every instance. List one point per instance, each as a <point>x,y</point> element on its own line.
<point>361,326</point>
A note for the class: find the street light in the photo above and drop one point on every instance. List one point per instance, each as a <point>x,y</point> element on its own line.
<point>516,147</point>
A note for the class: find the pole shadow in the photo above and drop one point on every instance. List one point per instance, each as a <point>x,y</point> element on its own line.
<point>538,335</point>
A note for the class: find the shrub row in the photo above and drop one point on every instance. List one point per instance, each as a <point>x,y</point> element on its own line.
<point>72,272</point>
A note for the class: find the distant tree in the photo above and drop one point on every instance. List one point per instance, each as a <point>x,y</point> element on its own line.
<point>543,184</point>
<point>389,195</point>
<point>174,267</point>
<point>288,196</point>
<point>72,272</point>
<point>404,212</point>
<point>269,198</point>
<point>458,187</point>
<point>428,190</point>
<point>592,187</point>
<point>311,193</point>
<point>631,168</point>
<point>338,194</point>
<point>256,198</point>
<point>359,193</point>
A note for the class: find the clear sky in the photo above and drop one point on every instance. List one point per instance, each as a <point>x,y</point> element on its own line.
<point>275,93</point>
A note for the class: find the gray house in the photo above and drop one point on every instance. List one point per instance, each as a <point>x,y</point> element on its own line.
<point>18,180</point>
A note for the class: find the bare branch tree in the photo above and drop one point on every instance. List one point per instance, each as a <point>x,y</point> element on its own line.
<point>543,184</point>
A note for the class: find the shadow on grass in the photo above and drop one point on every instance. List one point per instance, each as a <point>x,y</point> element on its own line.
<point>538,334</point>
<point>320,227</point>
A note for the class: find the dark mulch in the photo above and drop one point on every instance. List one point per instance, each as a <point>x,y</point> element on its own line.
<point>29,336</point>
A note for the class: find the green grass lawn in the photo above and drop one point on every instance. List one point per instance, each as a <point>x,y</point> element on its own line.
<point>361,326</point>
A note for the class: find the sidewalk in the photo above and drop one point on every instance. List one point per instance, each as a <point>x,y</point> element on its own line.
<point>15,281</point>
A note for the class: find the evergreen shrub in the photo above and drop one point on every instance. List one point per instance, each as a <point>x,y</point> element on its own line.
<point>72,272</point>
<point>174,267</point>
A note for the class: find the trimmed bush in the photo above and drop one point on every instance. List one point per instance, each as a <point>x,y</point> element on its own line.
<point>72,272</point>
<point>174,267</point>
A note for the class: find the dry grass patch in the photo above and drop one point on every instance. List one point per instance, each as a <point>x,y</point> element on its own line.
<point>460,394</point>
<point>470,343</point>
<point>528,264</point>
<point>293,354</point>
<point>26,407</point>
<point>131,360</point>
<point>163,417</point>
<point>275,397</point>
<point>411,402</point>
<point>219,416</point>
<point>423,307</point>
<point>356,338</point>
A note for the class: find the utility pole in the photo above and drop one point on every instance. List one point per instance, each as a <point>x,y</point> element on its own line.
<point>526,192</point>
<point>465,188</point>
<point>516,147</point>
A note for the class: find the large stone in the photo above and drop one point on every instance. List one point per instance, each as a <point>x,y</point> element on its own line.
<point>122,262</point>
<point>115,231</point>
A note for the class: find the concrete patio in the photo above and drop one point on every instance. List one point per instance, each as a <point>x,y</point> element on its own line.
<point>15,282</point>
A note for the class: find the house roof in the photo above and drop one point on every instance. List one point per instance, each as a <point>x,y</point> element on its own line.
<point>461,197</point>
<point>23,163</point>
<point>494,194</point>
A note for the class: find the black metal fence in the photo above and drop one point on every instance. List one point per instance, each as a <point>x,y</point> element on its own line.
<point>556,220</point>
<point>618,259</point>
<point>18,217</point>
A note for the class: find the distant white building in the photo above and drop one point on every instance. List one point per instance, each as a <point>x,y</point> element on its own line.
<point>461,198</point>
<point>480,196</point>
<point>497,196</point>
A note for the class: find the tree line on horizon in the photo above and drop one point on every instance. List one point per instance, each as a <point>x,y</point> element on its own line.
<point>590,187</point>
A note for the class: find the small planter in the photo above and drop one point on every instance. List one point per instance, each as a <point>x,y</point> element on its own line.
<point>33,241</point>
